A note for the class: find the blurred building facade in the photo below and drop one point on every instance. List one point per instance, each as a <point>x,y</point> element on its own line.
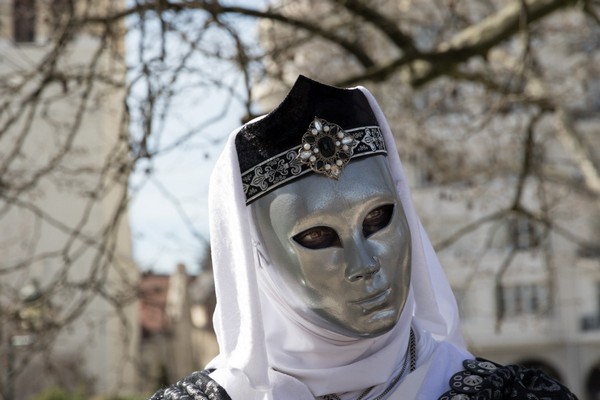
<point>176,324</point>
<point>68,282</point>
<point>527,294</point>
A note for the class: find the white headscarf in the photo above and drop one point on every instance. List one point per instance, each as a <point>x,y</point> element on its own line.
<point>269,352</point>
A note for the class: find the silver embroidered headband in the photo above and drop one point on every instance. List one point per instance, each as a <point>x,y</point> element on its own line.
<point>325,149</point>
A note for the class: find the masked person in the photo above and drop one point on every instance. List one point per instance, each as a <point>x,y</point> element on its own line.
<point>327,284</point>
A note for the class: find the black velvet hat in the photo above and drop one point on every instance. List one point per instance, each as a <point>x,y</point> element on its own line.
<point>316,129</point>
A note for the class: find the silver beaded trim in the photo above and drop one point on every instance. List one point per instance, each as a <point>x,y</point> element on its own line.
<point>326,148</point>
<point>291,164</point>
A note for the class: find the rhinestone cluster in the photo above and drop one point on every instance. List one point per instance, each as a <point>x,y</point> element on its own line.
<point>326,148</point>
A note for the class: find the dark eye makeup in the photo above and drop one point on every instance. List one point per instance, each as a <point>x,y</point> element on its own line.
<point>320,237</point>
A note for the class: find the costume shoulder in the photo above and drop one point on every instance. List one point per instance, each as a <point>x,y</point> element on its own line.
<point>484,380</point>
<point>197,386</point>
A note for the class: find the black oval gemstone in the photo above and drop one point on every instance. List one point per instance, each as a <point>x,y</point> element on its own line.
<point>326,146</point>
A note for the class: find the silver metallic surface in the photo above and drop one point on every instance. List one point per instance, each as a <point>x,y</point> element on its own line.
<point>333,253</point>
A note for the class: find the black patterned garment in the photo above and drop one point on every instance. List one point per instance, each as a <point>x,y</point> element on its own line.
<point>197,386</point>
<point>485,380</point>
<point>481,380</point>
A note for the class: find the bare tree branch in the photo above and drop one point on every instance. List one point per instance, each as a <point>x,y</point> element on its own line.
<point>580,151</point>
<point>476,40</point>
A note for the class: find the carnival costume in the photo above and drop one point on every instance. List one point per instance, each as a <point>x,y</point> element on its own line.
<point>270,351</point>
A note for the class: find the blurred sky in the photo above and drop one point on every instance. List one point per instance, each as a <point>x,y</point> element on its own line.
<point>162,235</point>
<point>168,211</point>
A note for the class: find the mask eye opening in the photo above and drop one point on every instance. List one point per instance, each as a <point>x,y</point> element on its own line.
<point>318,237</point>
<point>377,219</point>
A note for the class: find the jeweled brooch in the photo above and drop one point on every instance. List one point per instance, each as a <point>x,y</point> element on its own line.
<point>326,148</point>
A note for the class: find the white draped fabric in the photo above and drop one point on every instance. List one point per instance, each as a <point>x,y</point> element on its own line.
<point>267,351</point>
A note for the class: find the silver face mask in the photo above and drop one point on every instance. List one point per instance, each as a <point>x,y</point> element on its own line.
<point>340,248</point>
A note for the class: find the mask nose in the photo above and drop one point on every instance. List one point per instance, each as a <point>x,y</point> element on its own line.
<point>360,264</point>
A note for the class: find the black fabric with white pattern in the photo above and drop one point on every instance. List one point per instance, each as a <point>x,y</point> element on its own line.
<point>485,380</point>
<point>197,386</point>
<point>480,380</point>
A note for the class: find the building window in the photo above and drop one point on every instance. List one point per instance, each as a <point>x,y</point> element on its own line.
<point>597,284</point>
<point>591,321</point>
<point>592,248</point>
<point>523,232</point>
<point>58,13</point>
<point>524,299</point>
<point>24,18</point>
